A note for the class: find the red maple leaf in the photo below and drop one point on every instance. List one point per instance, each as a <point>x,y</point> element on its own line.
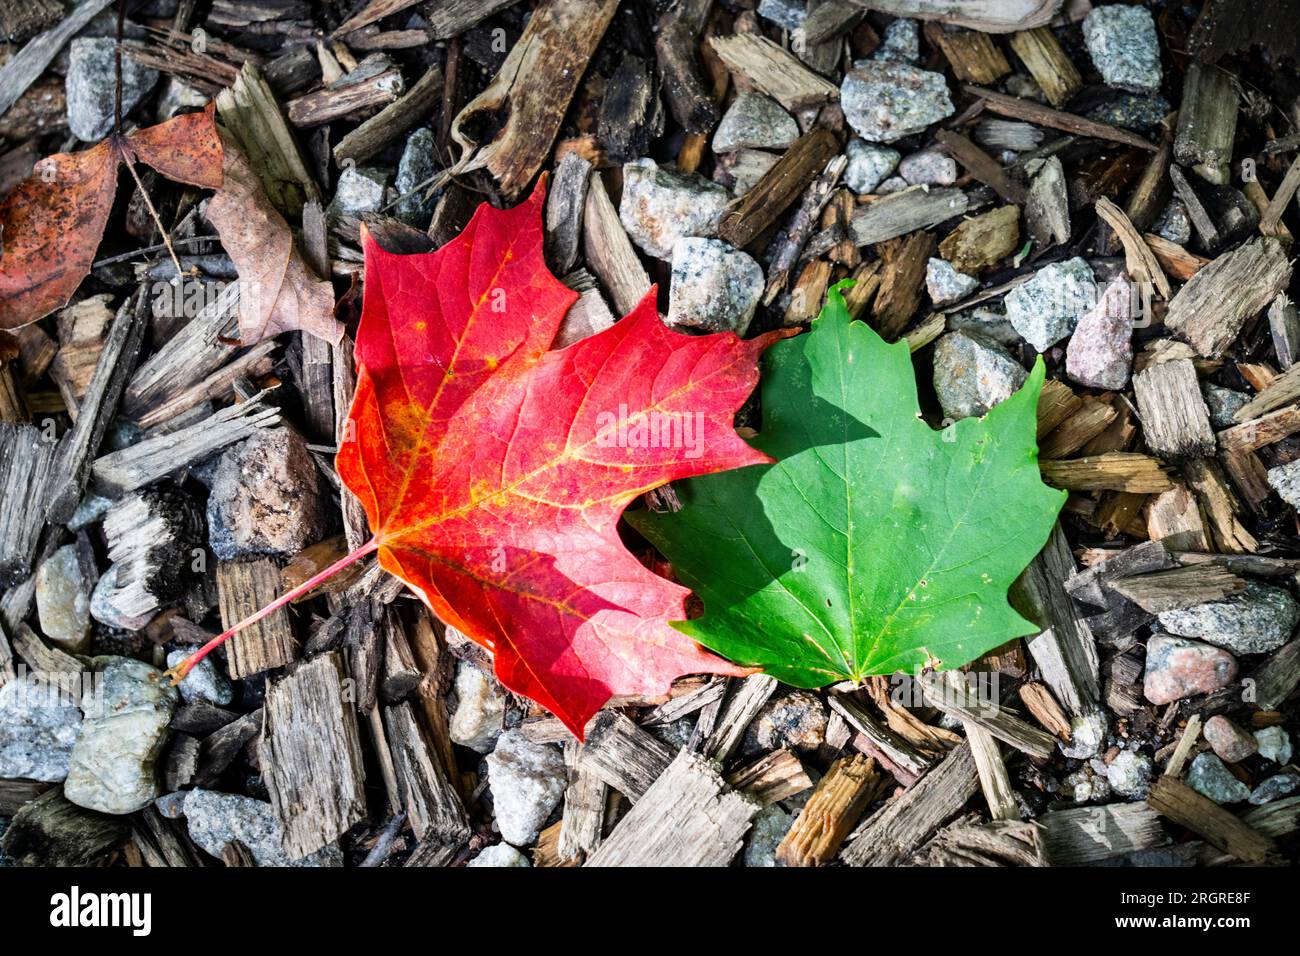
<point>494,470</point>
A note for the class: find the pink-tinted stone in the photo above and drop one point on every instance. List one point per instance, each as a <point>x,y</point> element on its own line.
<point>1229,741</point>
<point>1100,353</point>
<point>1178,668</point>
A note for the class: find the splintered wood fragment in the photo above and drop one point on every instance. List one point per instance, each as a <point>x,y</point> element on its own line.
<point>1081,836</point>
<point>968,842</point>
<point>1116,471</point>
<point>1028,110</point>
<point>53,831</point>
<point>981,165</point>
<point>447,19</point>
<point>827,20</point>
<point>623,755</point>
<point>1282,391</point>
<point>994,781</point>
<point>831,813</point>
<point>896,214</point>
<point>1178,802</point>
<point>747,217</point>
<point>926,331</point>
<point>1175,421</point>
<point>26,467</point>
<point>1179,588</point>
<point>243,587</point>
<point>348,100</point>
<point>950,692</point>
<point>1003,16</point>
<point>1284,327</point>
<point>795,235</point>
<point>1203,222</point>
<point>773,71</point>
<point>1047,63</point>
<point>583,820</point>
<point>431,802</point>
<point>1056,403</point>
<point>973,55</point>
<point>688,817</point>
<point>902,281</point>
<point>1219,505</point>
<point>1038,700</point>
<point>249,364</point>
<point>908,762</point>
<point>198,349</point>
<point>740,709</point>
<point>1278,676</point>
<point>394,119</point>
<point>1140,261</point>
<point>899,828</point>
<point>1186,744</point>
<point>1088,421</point>
<point>310,755</point>
<point>564,204</point>
<point>691,98</point>
<point>120,472</point>
<point>399,674</point>
<point>44,661</point>
<point>1207,122</point>
<point>1272,217</point>
<point>772,778</point>
<point>982,241</point>
<point>679,707</point>
<point>609,251</point>
<point>527,99</point>
<point>83,328</point>
<point>1175,518</point>
<point>1212,308</point>
<point>1047,206</point>
<point>866,280</point>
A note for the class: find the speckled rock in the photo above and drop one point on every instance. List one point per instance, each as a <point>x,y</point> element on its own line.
<point>945,284</point>
<point>1210,778</point>
<point>127,711</point>
<point>91,86</point>
<point>894,184</point>
<point>660,206</point>
<point>788,14</point>
<point>360,190</point>
<point>885,101</point>
<point>715,287</point>
<point>267,497</point>
<point>480,709</point>
<point>869,165</point>
<point>797,720</point>
<point>1255,621</point>
<point>928,167</point>
<point>1046,309</point>
<point>499,854</point>
<point>1122,42</point>
<point>1141,112</point>
<point>63,600</point>
<point>418,163</point>
<point>1229,741</point>
<point>1285,480</point>
<point>1085,785</point>
<point>1130,773</point>
<point>1100,353</point>
<point>754,121</point>
<point>527,781</point>
<point>1222,404</point>
<point>765,835</point>
<point>205,681</point>
<point>39,722</point>
<point>1274,744</point>
<point>1274,788</point>
<point>971,375</point>
<point>1178,668</point>
<point>1174,223</point>
<point>215,819</point>
<point>987,323</point>
<point>900,43</point>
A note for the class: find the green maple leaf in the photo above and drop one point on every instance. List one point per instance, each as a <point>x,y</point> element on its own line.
<point>875,544</point>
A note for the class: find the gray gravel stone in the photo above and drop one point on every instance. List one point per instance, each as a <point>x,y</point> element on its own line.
<point>894,184</point>
<point>1274,788</point>
<point>660,206</point>
<point>754,121</point>
<point>39,722</point>
<point>1285,480</point>
<point>1210,778</point>
<point>1100,353</point>
<point>63,600</point>
<point>1130,773</point>
<point>928,167</point>
<point>769,829</point>
<point>1274,744</point>
<point>884,101</point>
<point>204,682</point>
<point>1046,309</point>
<point>797,720</point>
<point>480,709</point>
<point>417,165</point>
<point>127,712</point>
<point>789,14</point>
<point>1122,42</point>
<point>901,42</point>
<point>267,497</point>
<point>1136,111</point>
<point>987,323</point>
<point>360,190</point>
<point>1174,223</point>
<point>91,84</point>
<point>1222,404</point>
<point>869,165</point>
<point>527,781</point>
<point>1178,668</point>
<point>215,819</point>
<point>945,284</point>
<point>499,855</point>
<point>971,375</point>
<point>715,287</point>
<point>1230,742</point>
<point>1085,785</point>
<point>1255,621</point>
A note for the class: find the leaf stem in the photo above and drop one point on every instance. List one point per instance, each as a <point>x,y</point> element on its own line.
<point>177,673</point>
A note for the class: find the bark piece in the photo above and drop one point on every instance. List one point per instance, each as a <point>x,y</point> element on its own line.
<point>1081,836</point>
<point>392,121</point>
<point>431,802</point>
<point>1175,421</point>
<point>902,212</point>
<point>774,71</point>
<point>1047,63</point>
<point>1211,309</point>
<point>242,588</point>
<point>747,217</point>
<point>831,813</point>
<point>1178,802</point>
<point>1207,122</point>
